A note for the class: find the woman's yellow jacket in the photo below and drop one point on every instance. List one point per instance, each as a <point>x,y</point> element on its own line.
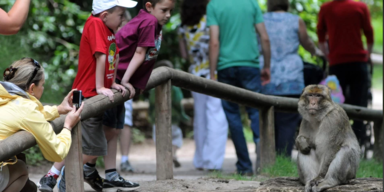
<point>18,113</point>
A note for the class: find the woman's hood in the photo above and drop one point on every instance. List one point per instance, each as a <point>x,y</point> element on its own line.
<point>10,91</point>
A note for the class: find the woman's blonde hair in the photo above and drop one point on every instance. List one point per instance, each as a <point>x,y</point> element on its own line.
<point>21,72</point>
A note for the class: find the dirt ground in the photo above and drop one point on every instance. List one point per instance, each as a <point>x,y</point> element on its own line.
<point>186,178</point>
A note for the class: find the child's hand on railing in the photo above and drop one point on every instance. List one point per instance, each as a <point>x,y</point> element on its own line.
<point>106,92</point>
<point>131,89</point>
<point>120,88</point>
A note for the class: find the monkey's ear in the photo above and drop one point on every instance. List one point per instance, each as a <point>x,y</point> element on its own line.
<point>303,91</point>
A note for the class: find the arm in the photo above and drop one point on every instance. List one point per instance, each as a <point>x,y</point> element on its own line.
<point>368,32</point>
<point>54,147</point>
<point>137,60</point>
<point>100,72</point>
<point>302,142</point>
<point>12,21</point>
<point>305,41</point>
<point>183,48</point>
<point>265,46</point>
<point>214,47</point>
<point>321,34</point>
<point>118,86</point>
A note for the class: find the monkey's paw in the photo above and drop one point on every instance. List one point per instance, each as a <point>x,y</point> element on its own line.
<point>313,184</point>
<point>302,143</point>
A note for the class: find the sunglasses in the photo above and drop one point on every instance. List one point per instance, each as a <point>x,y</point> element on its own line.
<point>12,70</point>
<point>37,68</point>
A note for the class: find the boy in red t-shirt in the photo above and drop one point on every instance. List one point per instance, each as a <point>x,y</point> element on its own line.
<point>98,60</point>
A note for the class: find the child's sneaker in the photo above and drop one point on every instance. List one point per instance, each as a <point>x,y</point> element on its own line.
<point>95,181</point>
<point>62,187</point>
<point>126,167</point>
<point>119,184</point>
<point>46,184</point>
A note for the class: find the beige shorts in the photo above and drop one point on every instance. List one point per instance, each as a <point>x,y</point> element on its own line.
<point>4,177</point>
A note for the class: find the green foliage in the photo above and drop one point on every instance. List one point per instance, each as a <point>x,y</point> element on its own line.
<point>225,177</point>
<point>284,167</point>
<point>377,78</point>
<point>377,24</point>
<point>34,155</point>
<point>370,168</point>
<point>52,32</point>
<point>137,136</point>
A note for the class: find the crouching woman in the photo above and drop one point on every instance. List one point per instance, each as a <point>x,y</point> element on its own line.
<point>21,110</point>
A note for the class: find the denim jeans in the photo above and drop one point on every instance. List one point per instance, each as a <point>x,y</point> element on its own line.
<point>247,78</point>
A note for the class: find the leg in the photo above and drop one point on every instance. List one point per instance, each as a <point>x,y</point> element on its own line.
<point>126,136</point>
<point>18,176</point>
<point>285,129</point>
<point>216,135</point>
<point>112,125</point>
<point>177,141</point>
<point>307,166</point>
<point>359,97</point>
<point>244,166</point>
<point>342,169</point>
<point>125,140</point>
<point>250,79</point>
<point>94,146</point>
<point>110,159</point>
<point>199,128</point>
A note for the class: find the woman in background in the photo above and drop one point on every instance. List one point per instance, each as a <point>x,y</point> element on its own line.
<point>286,32</point>
<point>210,124</point>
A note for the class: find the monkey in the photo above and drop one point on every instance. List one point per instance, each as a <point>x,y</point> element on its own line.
<point>329,153</point>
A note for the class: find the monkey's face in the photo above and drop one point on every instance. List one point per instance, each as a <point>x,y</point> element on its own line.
<point>316,98</point>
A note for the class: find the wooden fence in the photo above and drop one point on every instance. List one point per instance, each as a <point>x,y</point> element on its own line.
<point>163,78</point>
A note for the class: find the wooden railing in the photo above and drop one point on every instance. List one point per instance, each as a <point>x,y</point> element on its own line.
<point>163,78</point>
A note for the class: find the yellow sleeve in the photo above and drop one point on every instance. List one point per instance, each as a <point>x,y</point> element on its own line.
<point>54,147</point>
<point>50,112</point>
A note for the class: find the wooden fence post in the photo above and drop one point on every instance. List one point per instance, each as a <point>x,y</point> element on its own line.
<point>164,163</point>
<point>378,147</point>
<point>267,150</point>
<point>74,179</point>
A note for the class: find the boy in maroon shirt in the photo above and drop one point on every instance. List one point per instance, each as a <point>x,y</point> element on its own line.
<point>139,42</point>
<point>98,60</point>
<point>343,21</point>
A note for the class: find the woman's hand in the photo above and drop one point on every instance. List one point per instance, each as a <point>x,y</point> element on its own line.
<point>73,117</point>
<point>132,91</point>
<point>66,106</point>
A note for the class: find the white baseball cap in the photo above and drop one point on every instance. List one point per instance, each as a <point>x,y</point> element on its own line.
<point>99,6</point>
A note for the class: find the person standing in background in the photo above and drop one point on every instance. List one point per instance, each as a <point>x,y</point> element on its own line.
<point>209,124</point>
<point>233,51</point>
<point>286,33</point>
<point>342,21</point>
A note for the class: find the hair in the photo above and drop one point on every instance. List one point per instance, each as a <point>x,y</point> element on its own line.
<point>110,10</point>
<point>153,2</point>
<point>277,5</point>
<point>20,71</point>
<point>192,11</point>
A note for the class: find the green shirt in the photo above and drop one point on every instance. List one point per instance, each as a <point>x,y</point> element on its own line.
<point>238,39</point>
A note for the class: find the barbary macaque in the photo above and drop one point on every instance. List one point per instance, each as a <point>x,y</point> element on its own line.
<point>329,152</point>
